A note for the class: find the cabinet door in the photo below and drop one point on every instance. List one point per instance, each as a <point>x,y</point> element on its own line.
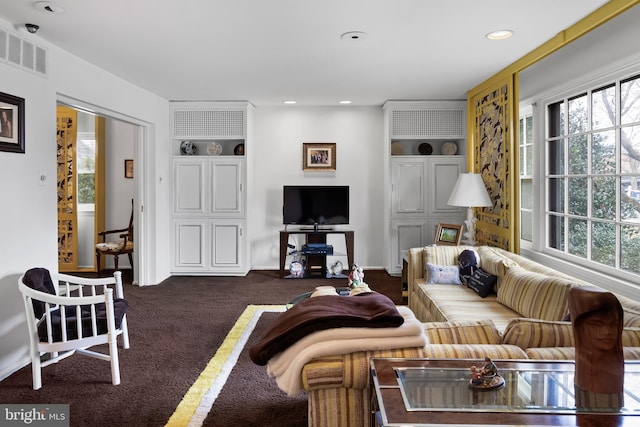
<point>189,237</point>
<point>407,187</point>
<point>227,245</point>
<point>227,187</point>
<point>443,174</point>
<point>189,186</point>
<point>406,234</point>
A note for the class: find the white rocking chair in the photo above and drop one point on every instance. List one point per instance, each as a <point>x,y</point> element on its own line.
<point>68,314</point>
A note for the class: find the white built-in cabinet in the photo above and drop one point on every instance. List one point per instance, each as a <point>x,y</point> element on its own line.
<point>420,176</point>
<point>209,194</point>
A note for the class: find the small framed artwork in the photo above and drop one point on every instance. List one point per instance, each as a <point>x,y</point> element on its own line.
<point>11,123</point>
<point>318,156</point>
<point>128,168</point>
<point>448,234</point>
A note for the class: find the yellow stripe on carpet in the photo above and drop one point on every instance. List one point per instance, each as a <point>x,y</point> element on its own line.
<point>191,401</point>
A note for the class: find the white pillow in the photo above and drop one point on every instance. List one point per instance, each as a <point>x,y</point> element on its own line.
<point>443,274</point>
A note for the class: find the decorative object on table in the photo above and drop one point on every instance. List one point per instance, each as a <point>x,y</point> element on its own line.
<point>336,268</point>
<point>214,149</point>
<point>356,281</point>
<point>425,149</point>
<point>469,192</point>
<point>128,168</point>
<point>318,157</point>
<point>449,148</point>
<point>188,148</point>
<point>597,319</point>
<point>238,150</point>
<point>486,377</point>
<point>11,123</point>
<point>448,234</point>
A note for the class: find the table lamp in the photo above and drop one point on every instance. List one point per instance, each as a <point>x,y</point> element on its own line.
<point>469,192</point>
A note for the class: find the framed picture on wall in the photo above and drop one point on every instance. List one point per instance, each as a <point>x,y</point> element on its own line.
<point>319,156</point>
<point>11,123</point>
<point>448,234</point>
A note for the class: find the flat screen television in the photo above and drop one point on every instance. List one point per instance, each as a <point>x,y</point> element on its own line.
<point>315,205</point>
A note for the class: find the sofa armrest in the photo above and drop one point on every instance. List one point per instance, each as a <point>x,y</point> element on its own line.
<point>533,333</point>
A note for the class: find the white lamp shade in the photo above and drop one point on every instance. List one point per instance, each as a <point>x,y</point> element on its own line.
<point>469,191</point>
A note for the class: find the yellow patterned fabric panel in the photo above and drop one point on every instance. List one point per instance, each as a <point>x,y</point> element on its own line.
<point>348,370</point>
<point>455,303</point>
<point>469,332</point>
<point>533,333</point>
<point>339,407</point>
<point>474,351</point>
<point>535,295</point>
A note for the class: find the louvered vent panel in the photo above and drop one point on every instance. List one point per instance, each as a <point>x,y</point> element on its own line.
<point>427,123</point>
<point>3,45</point>
<point>14,49</point>
<point>208,124</point>
<point>27,55</point>
<point>41,61</point>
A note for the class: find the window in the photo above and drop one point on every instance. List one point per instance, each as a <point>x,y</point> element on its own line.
<point>86,164</point>
<point>592,175</point>
<point>526,175</point>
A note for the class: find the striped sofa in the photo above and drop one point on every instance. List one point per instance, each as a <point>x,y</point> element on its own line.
<point>456,325</point>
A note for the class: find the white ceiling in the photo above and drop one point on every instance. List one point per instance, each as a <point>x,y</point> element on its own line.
<point>269,51</point>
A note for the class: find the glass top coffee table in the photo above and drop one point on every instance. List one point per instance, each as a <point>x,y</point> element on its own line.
<point>436,392</point>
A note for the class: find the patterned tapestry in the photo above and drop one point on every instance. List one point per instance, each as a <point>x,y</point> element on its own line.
<point>494,158</point>
<point>66,149</point>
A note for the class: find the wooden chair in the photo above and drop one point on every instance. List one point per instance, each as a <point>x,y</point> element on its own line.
<point>68,314</point>
<point>119,247</point>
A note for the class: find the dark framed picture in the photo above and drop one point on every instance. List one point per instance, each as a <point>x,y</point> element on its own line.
<point>128,168</point>
<point>11,123</point>
<point>448,234</point>
<point>319,156</point>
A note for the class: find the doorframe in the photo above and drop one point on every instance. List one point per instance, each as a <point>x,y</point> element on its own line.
<point>141,169</point>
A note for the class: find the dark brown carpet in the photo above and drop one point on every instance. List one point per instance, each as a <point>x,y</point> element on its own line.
<point>175,329</point>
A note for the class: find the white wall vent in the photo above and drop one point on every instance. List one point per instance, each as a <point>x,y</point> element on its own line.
<point>428,123</point>
<point>208,123</point>
<point>22,53</point>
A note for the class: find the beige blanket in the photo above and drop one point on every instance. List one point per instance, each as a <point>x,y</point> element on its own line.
<point>286,367</point>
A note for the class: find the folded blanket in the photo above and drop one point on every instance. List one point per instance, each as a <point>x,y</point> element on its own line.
<point>287,366</point>
<point>371,310</point>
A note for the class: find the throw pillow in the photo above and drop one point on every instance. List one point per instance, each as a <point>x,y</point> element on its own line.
<point>482,282</point>
<point>468,261</point>
<point>443,274</point>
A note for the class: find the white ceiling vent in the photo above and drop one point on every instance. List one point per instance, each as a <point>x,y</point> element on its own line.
<point>22,53</point>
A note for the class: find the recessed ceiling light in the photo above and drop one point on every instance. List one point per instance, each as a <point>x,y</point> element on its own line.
<point>499,35</point>
<point>354,36</point>
<point>345,102</point>
<point>289,102</point>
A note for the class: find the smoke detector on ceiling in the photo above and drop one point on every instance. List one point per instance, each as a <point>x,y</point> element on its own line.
<point>47,6</point>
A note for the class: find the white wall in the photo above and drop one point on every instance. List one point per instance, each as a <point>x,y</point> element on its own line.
<point>277,160</point>
<point>28,215</point>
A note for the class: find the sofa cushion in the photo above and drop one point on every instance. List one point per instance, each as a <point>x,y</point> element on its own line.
<point>481,282</point>
<point>528,333</point>
<point>441,255</point>
<point>463,332</point>
<point>443,274</point>
<point>493,261</point>
<point>474,351</point>
<point>535,295</point>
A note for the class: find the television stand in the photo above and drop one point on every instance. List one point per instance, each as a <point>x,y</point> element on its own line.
<point>316,262</point>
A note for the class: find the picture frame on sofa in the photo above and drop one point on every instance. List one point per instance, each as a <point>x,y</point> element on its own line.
<point>448,234</point>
